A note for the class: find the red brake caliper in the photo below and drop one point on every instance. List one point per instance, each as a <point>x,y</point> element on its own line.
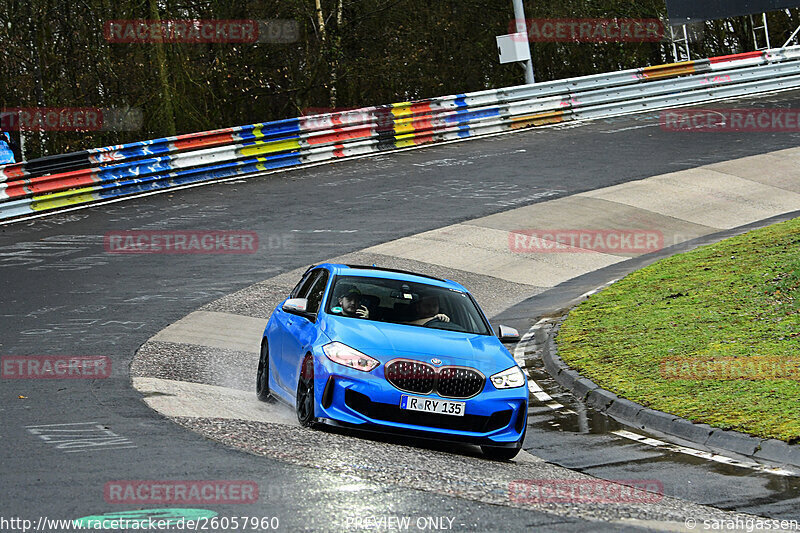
<point>308,368</point>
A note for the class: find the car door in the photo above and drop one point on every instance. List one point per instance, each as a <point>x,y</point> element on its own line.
<point>282,327</point>
<point>304,331</point>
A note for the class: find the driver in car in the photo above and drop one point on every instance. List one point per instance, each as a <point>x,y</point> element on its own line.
<point>350,303</point>
<point>428,310</point>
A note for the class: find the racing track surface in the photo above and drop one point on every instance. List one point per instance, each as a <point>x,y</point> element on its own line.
<point>63,295</point>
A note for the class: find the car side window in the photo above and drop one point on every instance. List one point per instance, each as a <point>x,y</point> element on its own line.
<point>301,291</point>
<point>317,292</point>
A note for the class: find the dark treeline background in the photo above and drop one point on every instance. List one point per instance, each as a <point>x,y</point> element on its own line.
<point>54,53</point>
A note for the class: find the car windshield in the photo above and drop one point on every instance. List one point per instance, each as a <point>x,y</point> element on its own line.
<point>404,302</point>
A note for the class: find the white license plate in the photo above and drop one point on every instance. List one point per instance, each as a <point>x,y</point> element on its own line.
<point>432,405</point>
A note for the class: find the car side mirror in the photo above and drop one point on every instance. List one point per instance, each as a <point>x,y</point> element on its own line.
<point>507,334</point>
<point>296,306</point>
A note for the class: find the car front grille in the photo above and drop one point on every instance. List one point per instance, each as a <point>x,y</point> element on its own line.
<point>422,378</point>
<point>411,376</point>
<point>392,413</point>
<point>457,382</point>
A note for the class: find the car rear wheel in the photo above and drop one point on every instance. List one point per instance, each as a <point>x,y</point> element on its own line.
<point>305,393</point>
<point>262,375</point>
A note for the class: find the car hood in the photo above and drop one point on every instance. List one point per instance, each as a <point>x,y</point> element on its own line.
<point>385,341</point>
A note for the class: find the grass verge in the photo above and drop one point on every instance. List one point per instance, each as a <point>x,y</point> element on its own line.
<point>712,335</point>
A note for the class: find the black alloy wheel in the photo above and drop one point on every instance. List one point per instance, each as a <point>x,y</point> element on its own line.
<point>305,393</point>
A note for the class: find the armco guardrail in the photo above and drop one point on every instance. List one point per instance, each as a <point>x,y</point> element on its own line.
<point>115,171</point>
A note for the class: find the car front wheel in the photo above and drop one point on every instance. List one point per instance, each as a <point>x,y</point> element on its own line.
<point>305,393</point>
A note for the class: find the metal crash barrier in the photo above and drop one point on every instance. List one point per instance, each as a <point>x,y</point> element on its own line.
<point>66,180</point>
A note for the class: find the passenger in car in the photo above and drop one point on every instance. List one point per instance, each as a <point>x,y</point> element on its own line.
<point>350,302</point>
<point>427,310</point>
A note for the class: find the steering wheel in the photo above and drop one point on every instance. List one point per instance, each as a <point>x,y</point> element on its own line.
<point>441,324</point>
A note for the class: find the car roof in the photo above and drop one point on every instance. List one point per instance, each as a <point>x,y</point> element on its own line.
<point>391,273</point>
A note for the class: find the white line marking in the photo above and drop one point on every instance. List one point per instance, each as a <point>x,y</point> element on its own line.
<point>598,289</point>
<point>587,294</point>
<point>709,456</point>
<point>639,438</point>
<point>534,388</point>
<point>630,128</point>
<point>99,449</point>
<point>66,424</point>
<point>519,349</point>
<point>542,396</point>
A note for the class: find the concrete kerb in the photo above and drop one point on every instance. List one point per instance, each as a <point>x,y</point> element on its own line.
<point>779,451</point>
<point>635,415</point>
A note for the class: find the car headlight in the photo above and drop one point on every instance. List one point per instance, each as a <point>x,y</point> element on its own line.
<point>509,379</point>
<point>347,356</point>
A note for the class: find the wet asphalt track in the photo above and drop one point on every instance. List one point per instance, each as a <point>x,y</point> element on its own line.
<point>61,294</point>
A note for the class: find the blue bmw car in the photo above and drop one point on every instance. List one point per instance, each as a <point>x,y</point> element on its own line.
<point>392,351</point>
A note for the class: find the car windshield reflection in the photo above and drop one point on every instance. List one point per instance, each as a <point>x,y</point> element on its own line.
<point>403,302</point>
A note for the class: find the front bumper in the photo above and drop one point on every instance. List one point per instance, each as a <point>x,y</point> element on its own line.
<point>367,401</point>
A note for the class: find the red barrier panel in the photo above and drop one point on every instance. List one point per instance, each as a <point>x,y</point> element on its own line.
<point>736,57</point>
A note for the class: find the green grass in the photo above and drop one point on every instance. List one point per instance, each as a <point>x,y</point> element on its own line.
<point>739,298</point>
